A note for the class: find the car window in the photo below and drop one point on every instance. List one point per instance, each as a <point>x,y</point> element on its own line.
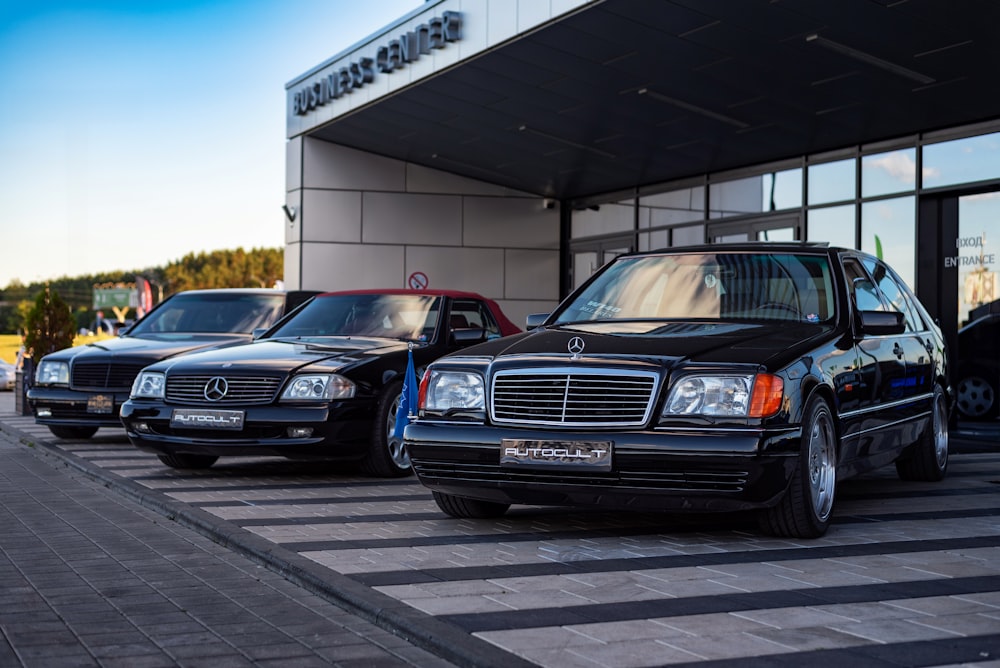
<point>863,290</point>
<point>894,294</point>
<point>381,315</point>
<point>466,313</point>
<point>708,286</point>
<point>212,313</point>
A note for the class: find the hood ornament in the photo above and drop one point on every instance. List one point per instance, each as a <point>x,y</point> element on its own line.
<point>575,347</point>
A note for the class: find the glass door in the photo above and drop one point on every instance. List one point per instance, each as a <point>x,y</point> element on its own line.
<point>976,256</point>
<point>784,228</point>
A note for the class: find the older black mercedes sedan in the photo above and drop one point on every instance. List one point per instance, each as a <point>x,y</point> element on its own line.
<point>325,382</point>
<point>747,377</point>
<point>78,390</point>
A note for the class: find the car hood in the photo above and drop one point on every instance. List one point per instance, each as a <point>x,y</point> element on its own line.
<point>147,347</point>
<point>285,355</point>
<point>661,343</point>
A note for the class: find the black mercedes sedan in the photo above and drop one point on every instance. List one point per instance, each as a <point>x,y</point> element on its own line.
<point>723,378</point>
<point>80,389</point>
<point>325,382</point>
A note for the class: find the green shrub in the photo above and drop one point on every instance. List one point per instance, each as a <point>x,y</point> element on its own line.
<point>49,326</point>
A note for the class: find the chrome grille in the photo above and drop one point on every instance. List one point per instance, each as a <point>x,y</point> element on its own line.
<point>105,375</point>
<point>573,397</point>
<point>242,389</point>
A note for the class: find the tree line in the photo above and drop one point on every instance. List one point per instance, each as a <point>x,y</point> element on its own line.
<point>256,268</point>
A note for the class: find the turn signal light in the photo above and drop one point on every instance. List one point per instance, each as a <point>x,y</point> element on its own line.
<point>765,400</point>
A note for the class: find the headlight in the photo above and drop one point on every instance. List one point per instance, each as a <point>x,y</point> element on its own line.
<point>318,387</point>
<point>453,390</point>
<point>148,385</point>
<point>52,373</point>
<point>754,395</point>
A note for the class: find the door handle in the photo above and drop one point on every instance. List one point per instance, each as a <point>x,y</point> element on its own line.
<point>897,350</point>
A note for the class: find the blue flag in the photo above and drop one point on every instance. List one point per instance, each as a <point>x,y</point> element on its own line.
<point>408,401</point>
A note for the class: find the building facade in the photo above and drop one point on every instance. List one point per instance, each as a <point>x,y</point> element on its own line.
<point>511,147</point>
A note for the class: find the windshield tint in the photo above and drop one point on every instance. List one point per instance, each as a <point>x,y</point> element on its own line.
<point>212,313</point>
<point>408,317</point>
<point>708,286</point>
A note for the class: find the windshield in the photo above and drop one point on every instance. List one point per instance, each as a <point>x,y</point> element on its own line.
<point>212,313</point>
<point>708,286</point>
<point>408,317</point>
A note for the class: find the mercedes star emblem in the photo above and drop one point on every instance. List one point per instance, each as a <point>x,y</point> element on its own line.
<point>216,388</point>
<point>576,346</point>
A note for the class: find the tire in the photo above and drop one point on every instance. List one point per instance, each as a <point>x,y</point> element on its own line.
<point>387,458</point>
<point>928,459</point>
<point>807,506</point>
<point>72,432</point>
<point>977,397</point>
<point>188,461</point>
<point>463,508</point>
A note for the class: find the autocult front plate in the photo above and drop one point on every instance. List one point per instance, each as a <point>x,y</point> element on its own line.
<point>579,455</point>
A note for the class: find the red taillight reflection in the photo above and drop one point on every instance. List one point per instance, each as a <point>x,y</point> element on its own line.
<point>422,393</point>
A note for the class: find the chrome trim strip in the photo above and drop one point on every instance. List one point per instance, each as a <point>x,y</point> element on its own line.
<point>882,407</point>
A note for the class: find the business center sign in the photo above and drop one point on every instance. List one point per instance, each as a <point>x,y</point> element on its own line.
<point>409,47</point>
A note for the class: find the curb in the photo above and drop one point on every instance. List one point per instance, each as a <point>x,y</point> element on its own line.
<point>446,641</point>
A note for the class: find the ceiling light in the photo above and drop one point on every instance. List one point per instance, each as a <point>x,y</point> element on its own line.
<point>850,52</point>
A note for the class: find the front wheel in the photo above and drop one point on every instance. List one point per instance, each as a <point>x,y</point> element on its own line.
<point>72,432</point>
<point>928,459</point>
<point>463,508</point>
<point>387,456</point>
<point>806,508</point>
<point>188,461</point>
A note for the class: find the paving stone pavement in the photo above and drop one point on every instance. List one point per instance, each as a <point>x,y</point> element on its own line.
<point>92,579</point>
<point>909,574</point>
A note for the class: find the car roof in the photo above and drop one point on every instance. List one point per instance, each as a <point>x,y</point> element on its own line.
<point>458,294</point>
<point>252,291</point>
<point>820,247</point>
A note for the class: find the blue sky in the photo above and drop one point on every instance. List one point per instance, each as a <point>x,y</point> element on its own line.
<point>135,132</point>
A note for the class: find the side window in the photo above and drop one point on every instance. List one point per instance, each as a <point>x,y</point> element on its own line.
<point>467,313</point>
<point>895,294</point>
<point>862,289</point>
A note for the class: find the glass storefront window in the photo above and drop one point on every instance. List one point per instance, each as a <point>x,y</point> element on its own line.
<point>889,231</point>
<point>888,173</point>
<point>689,235</point>
<point>614,217</point>
<point>782,190</point>
<point>833,224</point>
<point>977,254</point>
<point>962,161</point>
<point>832,182</point>
<point>686,199</point>
<point>734,198</point>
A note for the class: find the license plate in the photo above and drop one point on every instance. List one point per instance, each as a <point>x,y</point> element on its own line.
<point>580,455</point>
<point>197,418</point>
<point>100,403</point>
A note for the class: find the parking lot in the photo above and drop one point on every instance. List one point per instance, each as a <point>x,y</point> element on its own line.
<point>909,573</point>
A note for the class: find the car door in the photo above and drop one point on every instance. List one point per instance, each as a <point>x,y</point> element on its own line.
<point>881,358</point>
<point>917,341</point>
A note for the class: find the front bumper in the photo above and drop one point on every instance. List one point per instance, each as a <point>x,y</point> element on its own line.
<point>340,431</point>
<point>703,470</point>
<point>76,408</point>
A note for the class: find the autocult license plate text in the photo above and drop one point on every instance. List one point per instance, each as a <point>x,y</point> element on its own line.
<point>206,419</point>
<point>589,455</point>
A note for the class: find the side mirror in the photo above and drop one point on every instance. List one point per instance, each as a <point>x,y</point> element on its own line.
<point>466,336</point>
<point>535,320</point>
<point>882,322</point>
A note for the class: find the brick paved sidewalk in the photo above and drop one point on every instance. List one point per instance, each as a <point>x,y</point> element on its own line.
<point>91,579</point>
